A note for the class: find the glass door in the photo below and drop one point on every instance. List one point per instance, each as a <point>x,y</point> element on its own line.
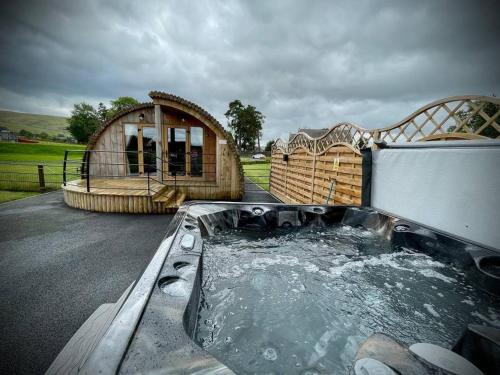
<point>132,149</point>
<point>184,151</point>
<point>140,149</point>
<point>148,162</point>
<point>176,143</point>
<point>196,153</point>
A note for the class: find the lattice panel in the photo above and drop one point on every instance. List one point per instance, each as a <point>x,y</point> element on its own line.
<point>459,117</point>
<point>344,133</point>
<point>301,140</point>
<point>279,146</point>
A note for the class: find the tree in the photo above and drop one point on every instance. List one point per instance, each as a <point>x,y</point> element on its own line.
<point>85,119</point>
<point>26,133</point>
<point>102,112</point>
<point>232,115</point>
<point>245,124</point>
<point>269,146</point>
<point>83,122</point>
<point>120,104</point>
<point>474,122</point>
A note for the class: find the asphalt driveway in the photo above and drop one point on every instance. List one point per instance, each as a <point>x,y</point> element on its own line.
<point>57,265</point>
<point>254,193</point>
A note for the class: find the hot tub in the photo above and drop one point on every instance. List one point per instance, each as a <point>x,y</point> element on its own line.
<point>219,295</point>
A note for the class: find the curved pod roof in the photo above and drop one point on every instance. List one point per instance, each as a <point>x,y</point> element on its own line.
<point>179,104</point>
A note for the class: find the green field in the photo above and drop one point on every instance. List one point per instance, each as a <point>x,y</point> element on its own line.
<point>16,121</point>
<point>257,171</point>
<point>19,164</point>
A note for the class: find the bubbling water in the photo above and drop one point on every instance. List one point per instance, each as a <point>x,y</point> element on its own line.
<point>301,302</point>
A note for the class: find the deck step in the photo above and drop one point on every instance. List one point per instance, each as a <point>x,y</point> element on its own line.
<point>180,199</point>
<point>161,192</point>
<point>172,204</point>
<point>166,197</point>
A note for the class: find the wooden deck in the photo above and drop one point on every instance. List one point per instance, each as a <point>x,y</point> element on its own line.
<point>118,186</point>
<point>127,195</point>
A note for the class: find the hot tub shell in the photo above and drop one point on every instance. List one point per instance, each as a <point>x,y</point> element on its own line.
<point>154,327</point>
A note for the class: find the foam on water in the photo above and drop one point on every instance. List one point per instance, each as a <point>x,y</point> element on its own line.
<point>302,302</point>
<point>431,310</point>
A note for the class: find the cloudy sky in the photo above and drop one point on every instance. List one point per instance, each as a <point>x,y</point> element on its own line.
<point>301,63</point>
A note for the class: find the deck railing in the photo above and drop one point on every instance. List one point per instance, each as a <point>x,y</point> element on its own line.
<point>89,166</point>
<point>82,168</point>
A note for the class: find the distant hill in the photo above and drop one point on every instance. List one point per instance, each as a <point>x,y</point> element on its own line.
<point>16,121</point>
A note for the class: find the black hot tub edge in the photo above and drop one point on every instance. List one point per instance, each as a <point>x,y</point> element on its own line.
<point>155,327</point>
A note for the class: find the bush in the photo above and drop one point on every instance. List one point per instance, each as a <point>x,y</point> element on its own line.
<point>26,133</point>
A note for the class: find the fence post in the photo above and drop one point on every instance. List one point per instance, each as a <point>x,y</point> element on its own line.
<point>149,192</point>
<point>313,172</point>
<point>88,170</point>
<point>41,177</point>
<point>285,158</point>
<point>175,184</point>
<point>64,166</point>
<point>270,175</point>
<point>376,137</point>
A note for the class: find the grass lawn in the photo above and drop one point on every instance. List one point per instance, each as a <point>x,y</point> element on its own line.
<point>19,164</point>
<point>7,196</point>
<point>258,173</point>
<point>245,160</point>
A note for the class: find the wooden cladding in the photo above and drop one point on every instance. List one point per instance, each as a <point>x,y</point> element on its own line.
<point>333,177</point>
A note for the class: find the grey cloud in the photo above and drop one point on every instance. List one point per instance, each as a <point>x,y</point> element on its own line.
<point>302,63</point>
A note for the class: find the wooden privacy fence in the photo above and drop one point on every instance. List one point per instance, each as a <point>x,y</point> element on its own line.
<point>327,169</point>
<point>332,177</point>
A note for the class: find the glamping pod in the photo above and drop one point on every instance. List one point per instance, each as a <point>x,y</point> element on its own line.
<point>153,156</point>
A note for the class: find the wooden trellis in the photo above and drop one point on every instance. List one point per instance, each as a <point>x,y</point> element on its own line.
<point>327,169</point>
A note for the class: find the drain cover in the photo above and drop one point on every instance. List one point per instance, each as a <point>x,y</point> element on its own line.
<point>257,211</point>
<point>401,228</point>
